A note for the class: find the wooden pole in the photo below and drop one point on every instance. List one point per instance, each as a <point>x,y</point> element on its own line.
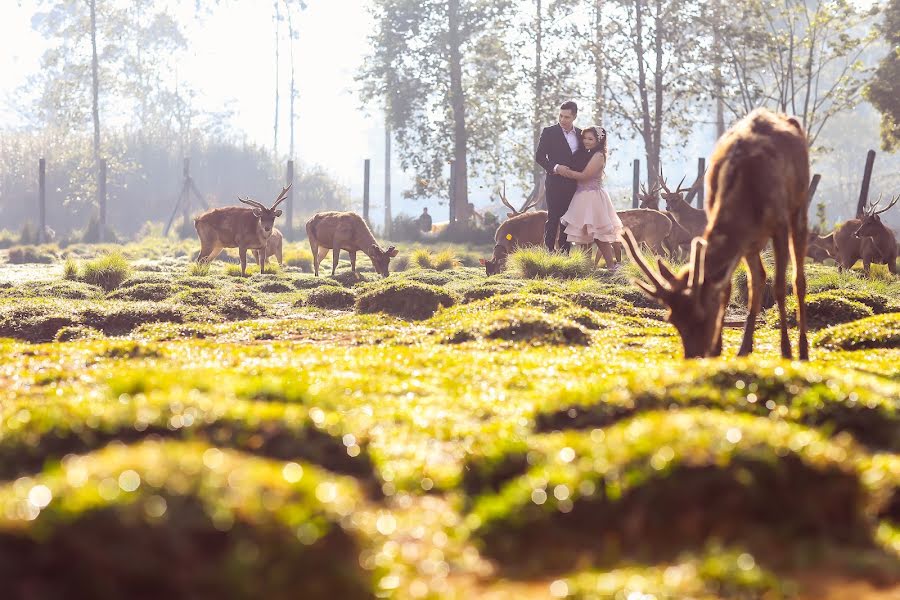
<point>864,190</point>
<point>812,189</point>
<point>452,216</point>
<point>366,192</point>
<point>42,200</point>
<point>635,184</point>
<point>388,218</point>
<point>289,203</point>
<point>186,192</point>
<point>701,169</point>
<point>101,200</point>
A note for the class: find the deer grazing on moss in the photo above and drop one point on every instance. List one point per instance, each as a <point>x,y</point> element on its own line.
<point>756,190</point>
<point>238,227</point>
<point>348,231</point>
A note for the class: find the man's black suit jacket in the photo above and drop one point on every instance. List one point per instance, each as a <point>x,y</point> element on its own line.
<point>553,149</point>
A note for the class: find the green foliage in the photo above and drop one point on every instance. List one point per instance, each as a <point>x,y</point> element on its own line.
<point>146,291</point>
<point>883,90</point>
<point>20,255</point>
<point>331,297</point>
<point>822,310</point>
<point>107,271</point>
<point>404,299</point>
<point>199,269</point>
<point>882,331</point>
<point>535,263</point>
<point>440,261</point>
<point>524,325</point>
<point>309,282</point>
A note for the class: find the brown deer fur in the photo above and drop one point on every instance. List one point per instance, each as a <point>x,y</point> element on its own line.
<point>524,229</point>
<point>756,190</point>
<point>274,247</point>
<point>238,227</point>
<point>821,247</point>
<point>866,238</point>
<point>692,219</point>
<point>648,226</point>
<point>348,231</point>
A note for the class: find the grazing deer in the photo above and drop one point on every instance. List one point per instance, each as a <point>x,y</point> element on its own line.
<point>692,219</point>
<point>528,204</point>
<point>648,226</point>
<point>238,227</point>
<point>868,239</point>
<point>821,247</point>
<point>756,190</point>
<point>521,229</point>
<point>273,248</point>
<point>345,231</point>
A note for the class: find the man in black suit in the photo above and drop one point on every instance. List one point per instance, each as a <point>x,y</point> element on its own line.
<point>556,147</point>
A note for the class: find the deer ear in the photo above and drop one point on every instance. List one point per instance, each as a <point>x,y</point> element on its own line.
<point>376,249</point>
<point>392,252</point>
<point>481,261</point>
<point>278,213</point>
<point>257,213</point>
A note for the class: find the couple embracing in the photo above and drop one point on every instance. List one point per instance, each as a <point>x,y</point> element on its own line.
<point>579,210</point>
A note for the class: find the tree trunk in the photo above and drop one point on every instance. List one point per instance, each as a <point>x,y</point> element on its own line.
<point>718,87</point>
<point>646,129</point>
<point>536,124</point>
<point>293,86</point>
<point>95,85</point>
<point>277,57</point>
<point>458,106</point>
<point>388,218</point>
<point>653,156</point>
<point>599,74</point>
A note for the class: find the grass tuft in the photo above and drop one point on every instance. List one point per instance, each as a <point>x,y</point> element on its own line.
<point>539,263</point>
<point>107,271</point>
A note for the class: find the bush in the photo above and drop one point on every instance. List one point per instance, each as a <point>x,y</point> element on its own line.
<point>882,331</point>
<point>538,263</point>
<point>404,299</point>
<point>330,297</point>
<point>107,271</point>
<point>20,255</point>
<point>302,259</point>
<point>525,325</point>
<point>70,269</point>
<point>822,310</point>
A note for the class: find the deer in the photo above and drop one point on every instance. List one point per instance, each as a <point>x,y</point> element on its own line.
<point>273,247</point>
<point>756,190</point>
<point>679,238</point>
<point>692,219</point>
<point>821,247</point>
<point>867,238</point>
<point>522,228</point>
<point>648,226</point>
<point>238,227</point>
<point>336,231</point>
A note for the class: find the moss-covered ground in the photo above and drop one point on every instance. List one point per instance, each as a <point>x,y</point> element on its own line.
<point>439,434</point>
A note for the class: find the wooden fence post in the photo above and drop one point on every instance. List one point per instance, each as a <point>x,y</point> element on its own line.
<point>101,200</point>
<point>864,190</point>
<point>289,203</point>
<point>635,184</point>
<point>366,192</point>
<point>42,200</point>
<point>812,189</point>
<point>388,217</point>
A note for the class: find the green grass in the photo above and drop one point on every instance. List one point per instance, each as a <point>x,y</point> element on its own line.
<point>441,408</point>
<point>106,271</point>
<point>538,263</point>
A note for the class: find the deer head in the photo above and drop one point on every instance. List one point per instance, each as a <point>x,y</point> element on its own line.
<point>528,205</point>
<point>672,199</point>
<point>649,199</point>
<point>267,216</point>
<point>381,259</point>
<point>694,303</point>
<point>871,222</point>
<point>497,262</point>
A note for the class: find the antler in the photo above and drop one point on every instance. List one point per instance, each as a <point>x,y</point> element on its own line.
<point>505,201</point>
<point>281,197</point>
<point>253,203</point>
<point>872,212</point>
<point>656,287</point>
<point>530,202</point>
<point>681,190</point>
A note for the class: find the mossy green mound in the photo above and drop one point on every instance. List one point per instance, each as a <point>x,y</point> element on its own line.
<point>309,282</point>
<point>78,332</point>
<point>180,520</point>
<point>881,331</point>
<point>525,325</point>
<point>427,276</point>
<point>866,407</point>
<point>69,290</point>
<point>486,289</point>
<point>645,488</point>
<point>822,310</point>
<point>20,255</point>
<point>271,285</point>
<point>332,297</point>
<point>404,299</point>
<point>155,292</point>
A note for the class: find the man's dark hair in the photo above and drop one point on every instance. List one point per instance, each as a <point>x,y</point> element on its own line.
<point>570,106</point>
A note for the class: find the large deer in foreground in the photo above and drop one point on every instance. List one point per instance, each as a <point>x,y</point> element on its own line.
<point>348,231</point>
<point>238,227</point>
<point>756,190</point>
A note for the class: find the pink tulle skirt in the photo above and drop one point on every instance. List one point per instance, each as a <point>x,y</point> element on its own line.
<point>591,216</point>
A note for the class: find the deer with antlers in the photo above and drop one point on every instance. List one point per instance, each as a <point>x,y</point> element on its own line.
<point>692,219</point>
<point>756,190</point>
<point>867,238</point>
<point>523,228</point>
<point>238,227</point>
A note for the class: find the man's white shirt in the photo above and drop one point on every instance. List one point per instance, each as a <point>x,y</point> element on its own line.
<point>571,139</point>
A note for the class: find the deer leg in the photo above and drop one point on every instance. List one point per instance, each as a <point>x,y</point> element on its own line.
<point>314,249</point>
<point>780,245</point>
<point>352,261</point>
<point>335,255</point>
<point>720,324</point>
<point>278,252</point>
<point>756,272</point>
<point>243,252</point>
<point>262,260</point>
<point>799,240</point>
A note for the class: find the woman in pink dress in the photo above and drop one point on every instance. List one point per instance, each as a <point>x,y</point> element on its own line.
<point>591,216</point>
